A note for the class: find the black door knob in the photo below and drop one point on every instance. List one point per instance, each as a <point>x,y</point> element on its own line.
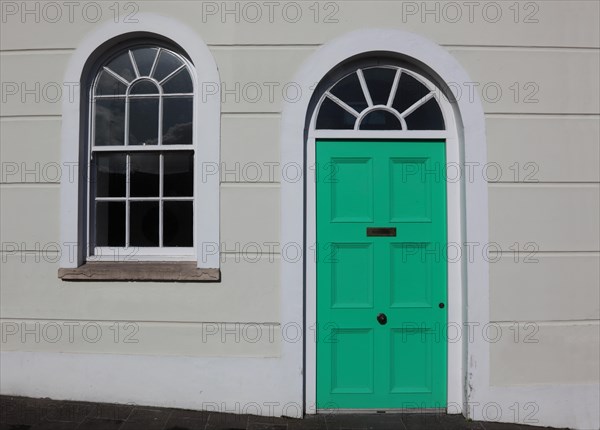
<point>382,319</point>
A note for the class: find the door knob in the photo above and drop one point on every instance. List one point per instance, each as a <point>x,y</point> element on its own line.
<point>382,319</point>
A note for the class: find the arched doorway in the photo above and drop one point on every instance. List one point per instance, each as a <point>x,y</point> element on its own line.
<point>463,137</point>
<point>380,143</point>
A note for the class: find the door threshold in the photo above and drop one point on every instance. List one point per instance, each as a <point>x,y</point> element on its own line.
<point>384,411</point>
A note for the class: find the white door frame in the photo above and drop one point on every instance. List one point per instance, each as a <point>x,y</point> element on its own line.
<point>467,199</point>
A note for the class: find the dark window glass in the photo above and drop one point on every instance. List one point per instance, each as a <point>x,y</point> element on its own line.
<point>333,117</point>
<point>110,223</point>
<point>409,92</point>
<point>144,176</point>
<point>110,174</point>
<point>122,66</point>
<point>143,121</point>
<point>178,174</point>
<point>143,224</point>
<point>379,81</point>
<point>350,92</point>
<point>144,87</point>
<point>426,117</point>
<point>109,122</point>
<point>177,121</point>
<point>144,58</point>
<point>178,224</point>
<point>179,83</point>
<point>380,120</point>
<point>167,64</point>
<point>108,85</point>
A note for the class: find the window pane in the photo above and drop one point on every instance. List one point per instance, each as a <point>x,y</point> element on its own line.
<point>143,224</point>
<point>380,120</point>
<point>177,224</point>
<point>379,81</point>
<point>144,58</point>
<point>143,121</point>
<point>180,83</point>
<point>350,92</point>
<point>409,92</point>
<point>167,63</point>
<point>109,126</point>
<point>426,117</point>
<point>177,121</point>
<point>144,179</point>
<point>122,66</point>
<point>179,174</point>
<point>333,117</point>
<point>108,85</point>
<point>110,174</point>
<point>110,223</point>
<point>144,87</point>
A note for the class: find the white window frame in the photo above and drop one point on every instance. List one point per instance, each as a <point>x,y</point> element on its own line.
<point>206,145</point>
<point>105,253</point>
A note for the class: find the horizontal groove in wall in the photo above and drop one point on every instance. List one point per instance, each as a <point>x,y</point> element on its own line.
<point>544,184</point>
<point>266,323</point>
<point>549,323</point>
<point>540,114</point>
<point>32,117</point>
<point>561,254</point>
<point>37,51</point>
<point>29,184</point>
<point>590,116</point>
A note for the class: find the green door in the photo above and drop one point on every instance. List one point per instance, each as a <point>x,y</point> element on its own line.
<point>381,274</point>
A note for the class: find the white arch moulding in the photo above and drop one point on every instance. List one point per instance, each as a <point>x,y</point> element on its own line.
<point>206,142</point>
<point>468,284</point>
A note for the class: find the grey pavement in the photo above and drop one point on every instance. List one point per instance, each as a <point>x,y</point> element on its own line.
<point>22,413</point>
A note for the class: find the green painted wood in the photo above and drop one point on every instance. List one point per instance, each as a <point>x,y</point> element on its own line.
<point>361,363</point>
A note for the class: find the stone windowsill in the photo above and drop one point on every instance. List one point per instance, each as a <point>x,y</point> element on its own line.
<point>145,271</point>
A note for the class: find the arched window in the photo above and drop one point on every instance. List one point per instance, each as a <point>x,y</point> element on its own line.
<point>141,188</point>
<point>380,98</point>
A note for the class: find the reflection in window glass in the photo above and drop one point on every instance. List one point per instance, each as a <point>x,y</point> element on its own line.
<point>144,224</point>
<point>333,117</point>
<point>144,174</point>
<point>179,84</point>
<point>350,92</point>
<point>144,59</point>
<point>177,121</point>
<point>427,117</point>
<point>110,174</point>
<point>143,121</point>
<point>110,224</point>
<point>379,81</point>
<point>409,92</point>
<point>167,64</point>
<point>108,85</point>
<point>178,224</point>
<point>109,122</point>
<point>143,87</point>
<point>179,174</point>
<point>380,120</point>
<point>122,66</point>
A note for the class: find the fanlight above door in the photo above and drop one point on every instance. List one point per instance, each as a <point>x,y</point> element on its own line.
<point>381,98</point>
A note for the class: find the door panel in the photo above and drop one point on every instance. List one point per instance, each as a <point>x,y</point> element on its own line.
<point>362,363</point>
<point>352,201</point>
